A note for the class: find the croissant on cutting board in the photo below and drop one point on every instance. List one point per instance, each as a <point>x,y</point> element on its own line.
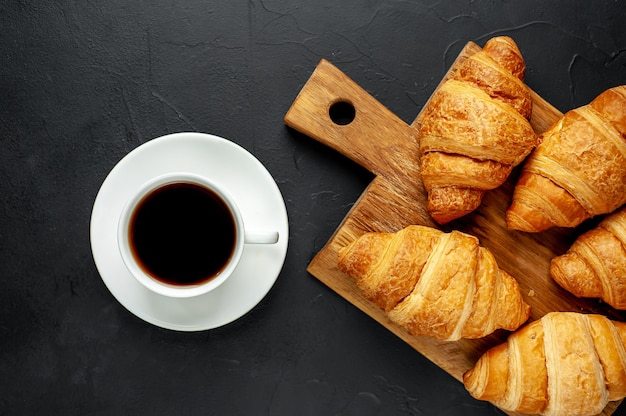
<point>595,265</point>
<point>443,285</point>
<point>475,129</point>
<point>579,169</point>
<point>566,363</point>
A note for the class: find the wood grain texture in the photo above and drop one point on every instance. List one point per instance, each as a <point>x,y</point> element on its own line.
<point>385,145</point>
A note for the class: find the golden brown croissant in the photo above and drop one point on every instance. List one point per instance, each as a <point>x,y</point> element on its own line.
<point>443,285</point>
<point>566,363</point>
<point>475,129</point>
<point>595,265</point>
<point>579,169</point>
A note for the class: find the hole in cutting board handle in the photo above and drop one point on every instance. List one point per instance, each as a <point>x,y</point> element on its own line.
<point>342,113</point>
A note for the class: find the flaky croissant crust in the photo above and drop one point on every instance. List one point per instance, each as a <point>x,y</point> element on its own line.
<point>443,285</point>
<point>595,264</point>
<point>563,364</point>
<point>578,170</point>
<point>475,129</point>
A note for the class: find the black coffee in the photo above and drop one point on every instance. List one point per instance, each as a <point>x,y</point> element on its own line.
<point>182,234</point>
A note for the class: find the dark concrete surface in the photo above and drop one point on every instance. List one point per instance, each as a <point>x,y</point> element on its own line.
<point>82,83</point>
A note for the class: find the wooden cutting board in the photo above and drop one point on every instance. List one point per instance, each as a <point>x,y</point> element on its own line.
<point>385,145</point>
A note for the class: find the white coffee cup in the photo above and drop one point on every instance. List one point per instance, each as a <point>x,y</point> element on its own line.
<point>137,211</point>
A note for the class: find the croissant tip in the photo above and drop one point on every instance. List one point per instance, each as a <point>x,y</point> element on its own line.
<point>560,276</point>
<point>446,217</point>
<point>501,39</point>
<point>448,204</point>
<point>517,220</point>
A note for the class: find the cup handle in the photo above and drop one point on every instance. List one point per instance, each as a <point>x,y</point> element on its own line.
<point>261,238</point>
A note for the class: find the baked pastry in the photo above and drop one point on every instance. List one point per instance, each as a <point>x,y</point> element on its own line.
<point>443,285</point>
<point>566,363</point>
<point>579,169</point>
<point>595,265</point>
<point>475,129</point>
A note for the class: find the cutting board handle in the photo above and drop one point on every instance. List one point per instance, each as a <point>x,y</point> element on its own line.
<point>375,138</point>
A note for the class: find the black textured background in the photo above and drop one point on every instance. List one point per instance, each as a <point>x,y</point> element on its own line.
<point>84,82</point>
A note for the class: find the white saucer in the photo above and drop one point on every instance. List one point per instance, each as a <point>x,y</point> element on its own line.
<point>259,200</point>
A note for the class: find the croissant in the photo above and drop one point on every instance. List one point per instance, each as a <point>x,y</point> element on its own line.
<point>579,169</point>
<point>595,265</point>
<point>566,363</point>
<point>475,129</point>
<point>443,285</point>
